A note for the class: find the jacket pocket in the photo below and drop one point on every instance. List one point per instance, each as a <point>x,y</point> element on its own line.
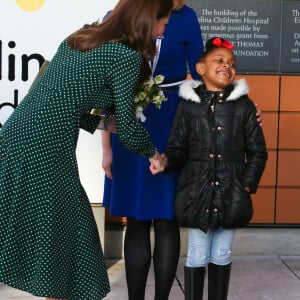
<point>238,208</point>
<point>190,207</point>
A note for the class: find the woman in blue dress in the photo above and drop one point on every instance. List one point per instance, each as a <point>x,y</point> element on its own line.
<point>133,191</point>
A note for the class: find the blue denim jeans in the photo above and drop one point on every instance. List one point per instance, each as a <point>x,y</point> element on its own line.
<point>213,246</point>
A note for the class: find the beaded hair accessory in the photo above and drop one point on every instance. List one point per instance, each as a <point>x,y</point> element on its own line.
<point>219,43</point>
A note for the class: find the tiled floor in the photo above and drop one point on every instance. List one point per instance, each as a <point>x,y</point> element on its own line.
<point>252,278</point>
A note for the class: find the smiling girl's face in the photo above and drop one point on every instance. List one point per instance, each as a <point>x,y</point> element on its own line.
<point>217,69</point>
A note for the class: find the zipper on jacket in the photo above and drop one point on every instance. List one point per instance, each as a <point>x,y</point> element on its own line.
<point>212,160</point>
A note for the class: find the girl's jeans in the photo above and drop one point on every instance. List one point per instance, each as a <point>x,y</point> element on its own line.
<point>213,246</point>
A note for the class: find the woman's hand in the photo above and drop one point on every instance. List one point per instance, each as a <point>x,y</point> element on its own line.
<point>107,157</point>
<point>258,115</point>
<point>157,163</point>
<point>107,163</point>
<point>247,188</point>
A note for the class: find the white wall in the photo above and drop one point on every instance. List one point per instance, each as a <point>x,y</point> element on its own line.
<point>38,26</point>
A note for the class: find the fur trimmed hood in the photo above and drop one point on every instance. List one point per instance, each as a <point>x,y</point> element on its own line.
<point>187,92</point>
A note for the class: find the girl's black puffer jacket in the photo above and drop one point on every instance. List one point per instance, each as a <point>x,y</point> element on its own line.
<point>220,145</point>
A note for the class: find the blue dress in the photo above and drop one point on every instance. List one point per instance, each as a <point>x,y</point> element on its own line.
<point>134,192</point>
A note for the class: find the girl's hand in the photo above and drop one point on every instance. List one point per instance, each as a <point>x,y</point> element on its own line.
<point>157,163</point>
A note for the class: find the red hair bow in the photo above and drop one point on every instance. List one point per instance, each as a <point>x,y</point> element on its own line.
<point>218,43</point>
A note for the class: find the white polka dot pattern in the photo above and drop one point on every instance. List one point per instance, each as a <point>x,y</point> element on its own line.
<point>49,243</point>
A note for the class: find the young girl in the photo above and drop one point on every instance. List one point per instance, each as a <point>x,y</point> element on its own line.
<point>221,147</point>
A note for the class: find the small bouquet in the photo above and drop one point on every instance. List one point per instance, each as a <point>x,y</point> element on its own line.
<point>149,92</point>
<point>146,93</point>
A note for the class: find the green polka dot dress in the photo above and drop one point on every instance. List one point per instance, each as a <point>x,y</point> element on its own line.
<point>49,243</point>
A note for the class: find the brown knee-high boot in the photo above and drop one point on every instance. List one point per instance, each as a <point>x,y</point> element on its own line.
<point>218,281</point>
<point>194,283</point>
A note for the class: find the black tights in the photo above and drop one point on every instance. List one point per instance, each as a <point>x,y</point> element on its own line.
<point>137,252</point>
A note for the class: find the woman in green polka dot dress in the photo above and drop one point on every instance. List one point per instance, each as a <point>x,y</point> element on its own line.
<point>49,243</point>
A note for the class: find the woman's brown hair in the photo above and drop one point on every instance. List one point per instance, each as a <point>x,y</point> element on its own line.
<point>131,21</point>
